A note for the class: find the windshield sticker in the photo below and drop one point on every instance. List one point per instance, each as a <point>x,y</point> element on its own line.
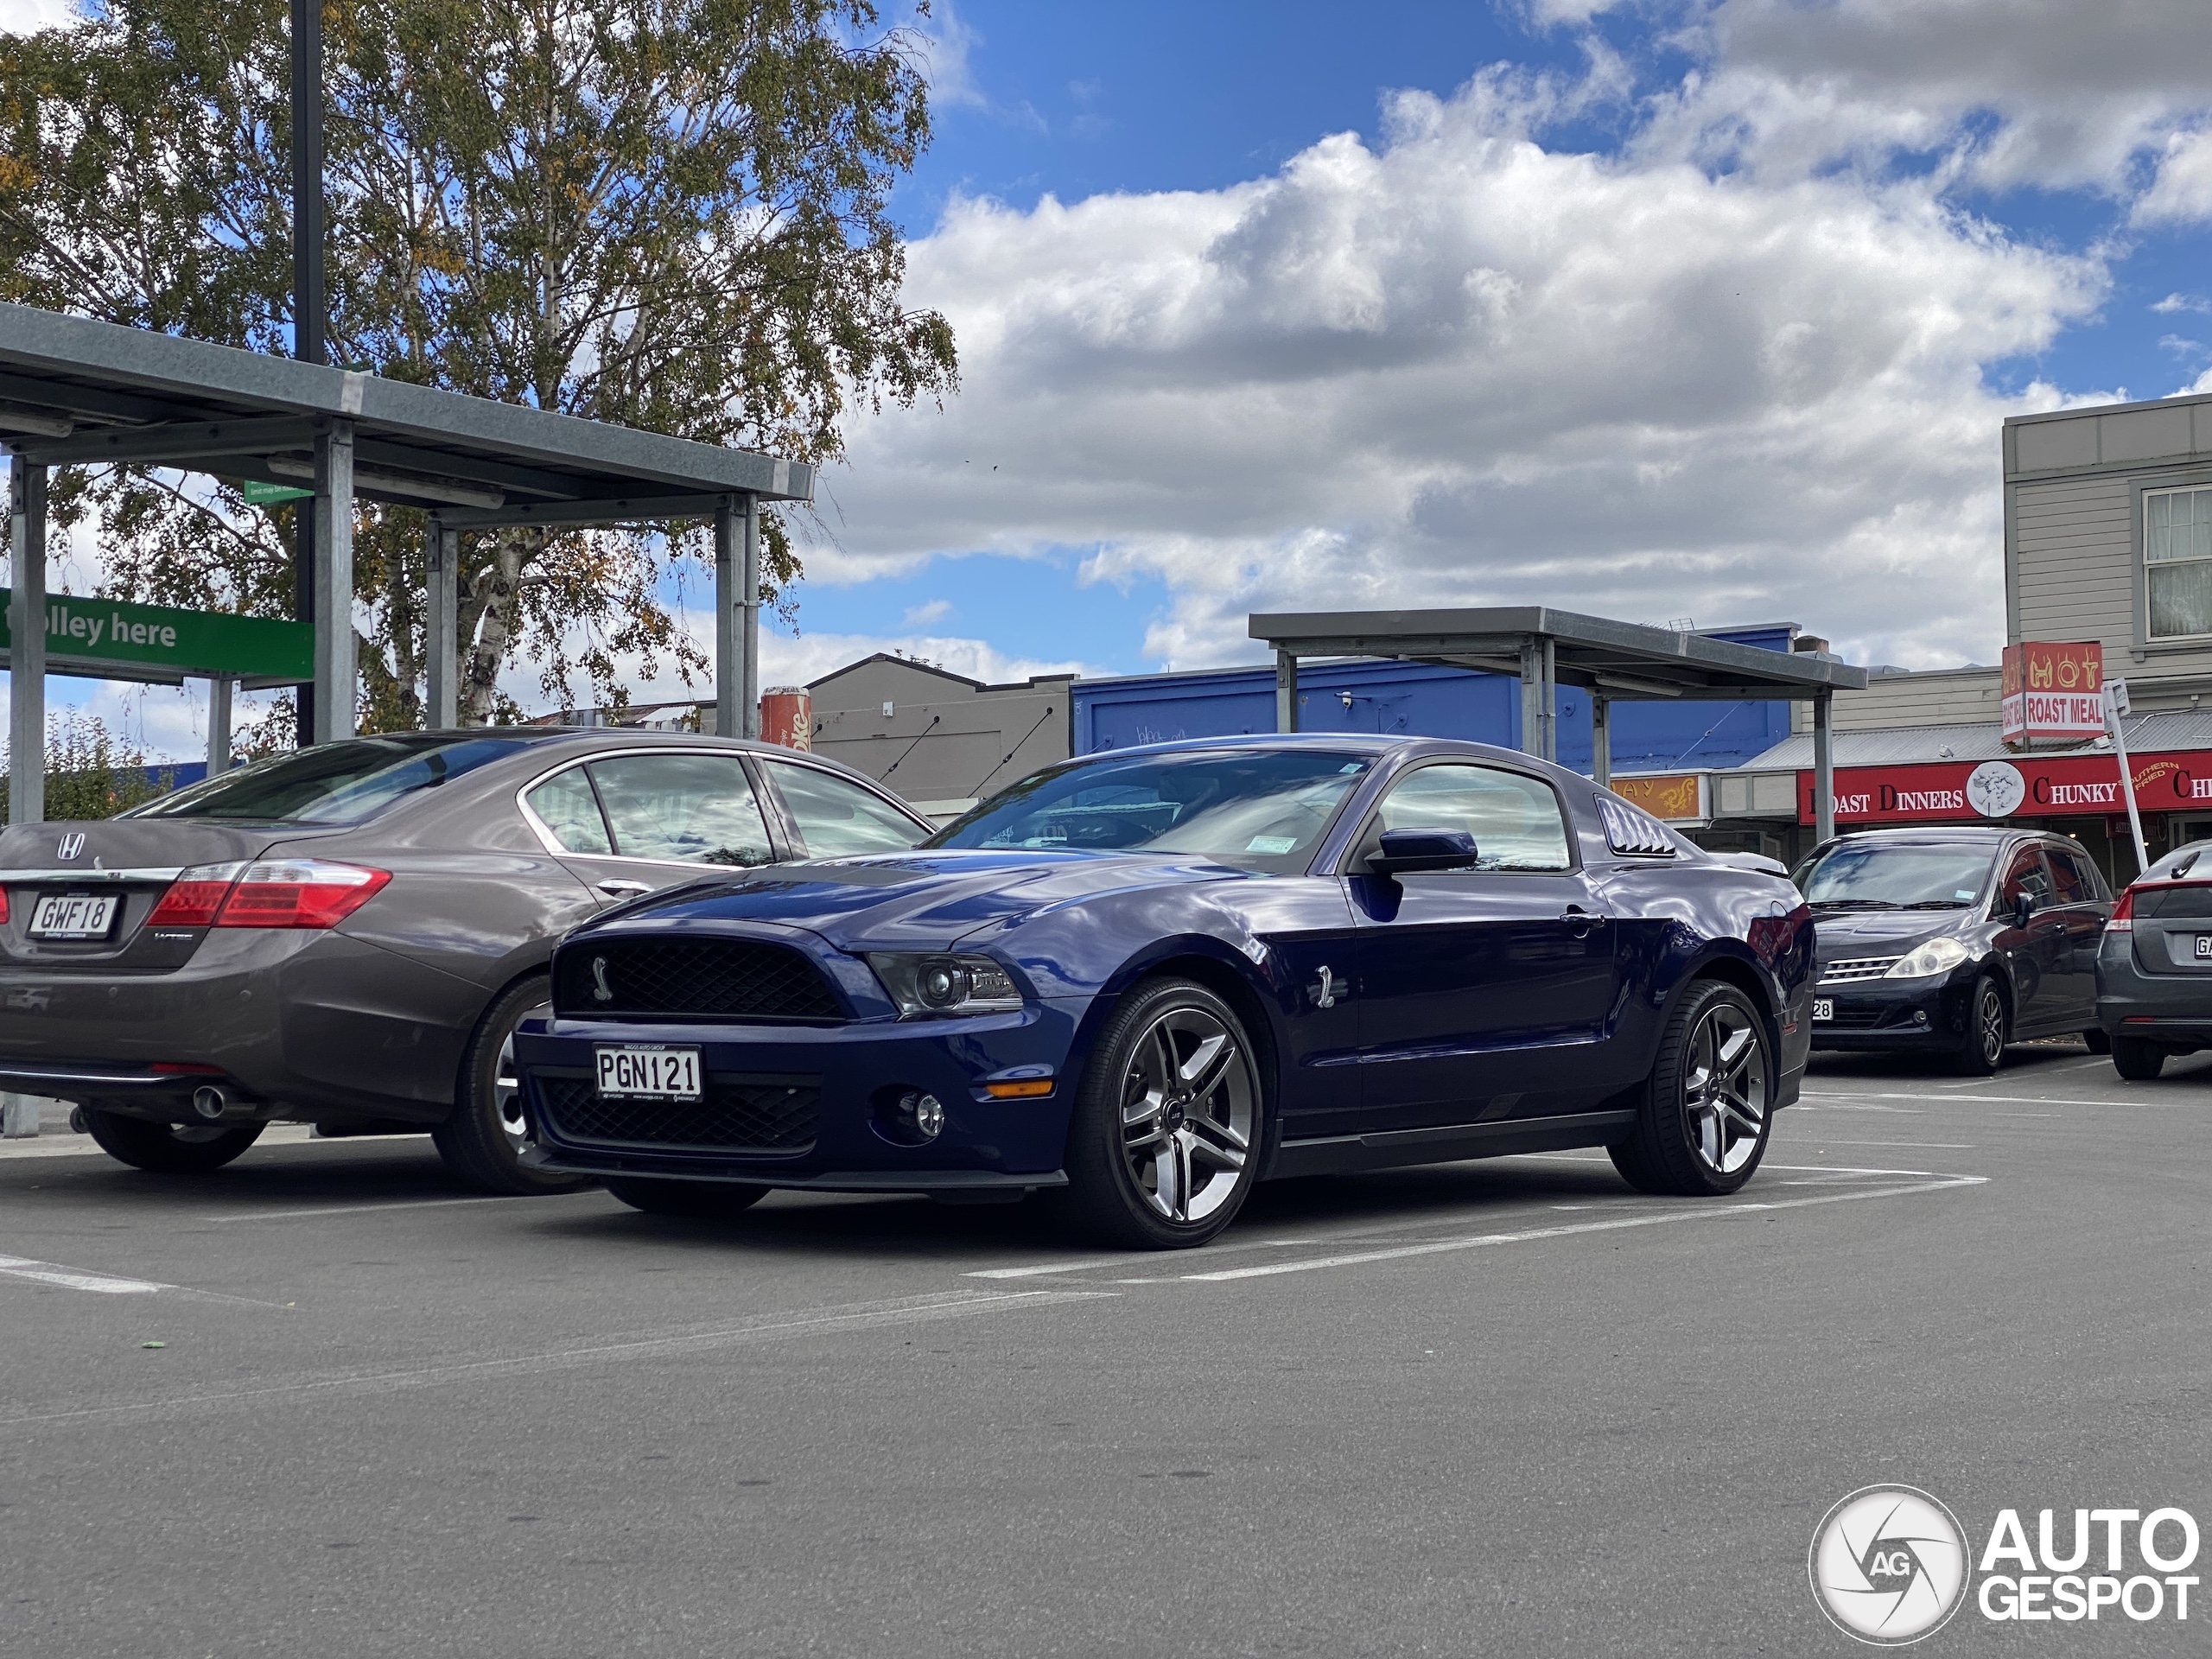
<point>1270,843</point>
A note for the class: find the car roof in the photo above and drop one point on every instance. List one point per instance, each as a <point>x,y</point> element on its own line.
<point>1962,835</point>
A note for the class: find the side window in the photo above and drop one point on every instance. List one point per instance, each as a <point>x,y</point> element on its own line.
<point>835,815</point>
<point>2071,887</point>
<point>694,808</point>
<point>565,805</point>
<point>2024,875</point>
<point>1515,821</point>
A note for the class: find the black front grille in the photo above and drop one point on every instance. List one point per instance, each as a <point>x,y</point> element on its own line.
<point>1865,1018</point>
<point>739,1114</point>
<point>729,979</point>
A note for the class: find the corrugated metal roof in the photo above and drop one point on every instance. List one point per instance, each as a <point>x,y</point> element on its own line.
<point>2147,734</point>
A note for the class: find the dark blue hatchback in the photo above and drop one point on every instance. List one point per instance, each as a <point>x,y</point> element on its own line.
<point>1142,982</point>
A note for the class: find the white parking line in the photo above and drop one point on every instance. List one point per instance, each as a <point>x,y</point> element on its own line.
<point>402,1204</point>
<point>1931,1146</point>
<point>50,1273</point>
<point>2008,1100</point>
<point>1439,1247</point>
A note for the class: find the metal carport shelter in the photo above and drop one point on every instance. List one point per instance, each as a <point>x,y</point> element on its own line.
<point>75,392</point>
<point>1545,649</point>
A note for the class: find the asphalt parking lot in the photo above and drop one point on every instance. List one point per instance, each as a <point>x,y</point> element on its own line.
<point>1506,1407</point>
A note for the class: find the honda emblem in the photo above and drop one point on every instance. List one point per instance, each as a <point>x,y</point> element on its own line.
<point>71,846</point>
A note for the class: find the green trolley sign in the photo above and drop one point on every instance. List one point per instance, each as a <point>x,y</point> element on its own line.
<point>106,638</point>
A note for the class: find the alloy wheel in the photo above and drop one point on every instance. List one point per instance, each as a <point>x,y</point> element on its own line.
<point>506,1088</point>
<point>1989,1023</point>
<point>1724,1088</point>
<point>1188,1108</point>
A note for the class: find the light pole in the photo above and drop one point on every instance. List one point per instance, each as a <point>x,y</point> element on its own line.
<point>309,299</point>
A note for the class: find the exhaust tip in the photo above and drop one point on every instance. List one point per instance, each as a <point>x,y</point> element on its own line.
<point>210,1102</point>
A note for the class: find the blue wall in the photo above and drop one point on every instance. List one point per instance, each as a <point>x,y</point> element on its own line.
<point>1418,699</point>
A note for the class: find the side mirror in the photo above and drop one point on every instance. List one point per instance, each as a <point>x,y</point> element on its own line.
<point>1410,851</point>
<point>2023,907</point>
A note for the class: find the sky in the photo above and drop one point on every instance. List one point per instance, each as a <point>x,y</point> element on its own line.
<point>1703,309</point>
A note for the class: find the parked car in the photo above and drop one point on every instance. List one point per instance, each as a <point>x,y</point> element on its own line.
<point>2154,970</point>
<point>1953,941</point>
<point>348,935</point>
<point>1144,980</point>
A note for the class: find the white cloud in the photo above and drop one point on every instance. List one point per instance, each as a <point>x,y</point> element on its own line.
<point>2174,302</point>
<point>2183,190</point>
<point>1457,367</point>
<point>27,16</point>
<point>2051,92</point>
<point>920,616</point>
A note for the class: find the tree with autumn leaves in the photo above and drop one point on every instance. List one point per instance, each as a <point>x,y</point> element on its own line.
<point>671,214</point>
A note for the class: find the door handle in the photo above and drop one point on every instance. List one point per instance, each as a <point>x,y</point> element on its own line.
<point>1579,921</point>
<point>625,889</point>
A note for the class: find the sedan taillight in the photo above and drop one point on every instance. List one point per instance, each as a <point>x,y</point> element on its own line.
<point>195,897</point>
<point>299,892</point>
<point>2123,913</point>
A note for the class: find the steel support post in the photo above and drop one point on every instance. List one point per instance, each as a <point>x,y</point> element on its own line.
<point>1824,767</point>
<point>310,300</point>
<point>1286,691</point>
<point>27,648</point>
<point>441,611</point>
<point>729,634</point>
<point>1601,740</point>
<point>748,599</point>
<point>1539,706</point>
<point>334,691</point>
<point>218,724</point>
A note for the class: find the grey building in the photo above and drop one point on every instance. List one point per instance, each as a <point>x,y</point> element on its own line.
<point>939,739</point>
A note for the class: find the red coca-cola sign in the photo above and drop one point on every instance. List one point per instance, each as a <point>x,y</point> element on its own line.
<point>1966,792</point>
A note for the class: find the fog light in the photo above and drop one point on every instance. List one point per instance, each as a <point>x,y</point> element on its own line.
<point>925,1112</point>
<point>1920,1016</point>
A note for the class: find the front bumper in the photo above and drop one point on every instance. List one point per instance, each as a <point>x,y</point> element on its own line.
<point>852,1072</point>
<point>1894,1014</point>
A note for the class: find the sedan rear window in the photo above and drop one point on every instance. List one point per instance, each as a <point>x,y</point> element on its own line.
<point>333,783</point>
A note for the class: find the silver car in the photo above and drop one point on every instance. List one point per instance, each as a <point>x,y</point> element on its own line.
<point>2154,967</point>
<point>348,935</point>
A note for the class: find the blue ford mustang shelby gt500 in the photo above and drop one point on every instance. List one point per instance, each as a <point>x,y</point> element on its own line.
<point>1144,980</point>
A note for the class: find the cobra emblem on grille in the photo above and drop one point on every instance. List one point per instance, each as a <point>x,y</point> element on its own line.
<point>71,846</point>
<point>600,987</point>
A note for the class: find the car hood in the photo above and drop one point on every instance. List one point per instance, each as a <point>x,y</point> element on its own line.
<point>919,900</point>
<point>1847,934</point>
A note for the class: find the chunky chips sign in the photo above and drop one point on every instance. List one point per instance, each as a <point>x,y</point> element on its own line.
<point>2053,692</point>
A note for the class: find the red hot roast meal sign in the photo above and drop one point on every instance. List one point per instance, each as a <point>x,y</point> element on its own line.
<point>2084,785</point>
<point>2053,692</point>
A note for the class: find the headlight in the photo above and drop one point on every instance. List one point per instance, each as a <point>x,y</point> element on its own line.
<point>1936,956</point>
<point>946,984</point>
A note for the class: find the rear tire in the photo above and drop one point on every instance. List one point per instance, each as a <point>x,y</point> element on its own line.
<point>1165,1140</point>
<point>168,1148</point>
<point>2097,1039</point>
<point>705,1199</point>
<point>1989,1026</point>
<point>482,1141</point>
<point>2137,1060</point>
<point>1703,1127</point>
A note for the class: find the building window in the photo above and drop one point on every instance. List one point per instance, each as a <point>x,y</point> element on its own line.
<point>2177,562</point>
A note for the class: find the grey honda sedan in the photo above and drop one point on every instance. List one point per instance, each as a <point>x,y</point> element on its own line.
<point>348,935</point>
<point>2154,972</point>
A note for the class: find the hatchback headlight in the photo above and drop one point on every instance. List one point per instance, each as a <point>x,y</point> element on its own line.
<point>1936,956</point>
<point>938,983</point>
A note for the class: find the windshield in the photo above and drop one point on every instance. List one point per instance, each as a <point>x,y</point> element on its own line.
<point>333,783</point>
<point>1848,877</point>
<point>1259,809</point>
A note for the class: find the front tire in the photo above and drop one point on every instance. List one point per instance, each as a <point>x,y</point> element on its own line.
<point>1703,1127</point>
<point>482,1141</point>
<point>168,1148</point>
<point>1164,1144</point>
<point>705,1199</point>
<point>1989,1026</point>
<point>2137,1060</point>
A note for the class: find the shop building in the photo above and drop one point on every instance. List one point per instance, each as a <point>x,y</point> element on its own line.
<point>2108,543</point>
